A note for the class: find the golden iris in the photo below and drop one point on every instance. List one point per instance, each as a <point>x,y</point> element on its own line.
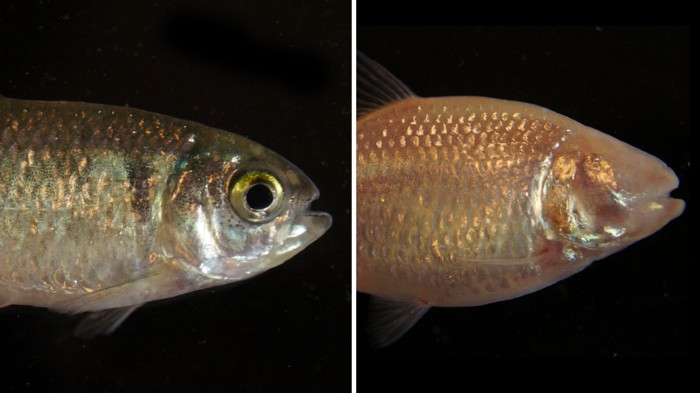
<point>256,195</point>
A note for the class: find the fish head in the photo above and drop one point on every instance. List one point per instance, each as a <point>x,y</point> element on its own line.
<point>601,195</point>
<point>237,209</point>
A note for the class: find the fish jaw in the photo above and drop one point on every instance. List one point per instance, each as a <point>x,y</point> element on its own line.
<point>306,229</point>
<point>308,225</point>
<point>652,207</point>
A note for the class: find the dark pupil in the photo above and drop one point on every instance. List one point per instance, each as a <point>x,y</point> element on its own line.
<point>259,197</point>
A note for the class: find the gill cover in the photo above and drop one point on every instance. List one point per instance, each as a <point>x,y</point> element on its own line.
<point>584,204</point>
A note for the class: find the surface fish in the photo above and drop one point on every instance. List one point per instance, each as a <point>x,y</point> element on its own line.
<point>465,201</point>
<point>105,208</point>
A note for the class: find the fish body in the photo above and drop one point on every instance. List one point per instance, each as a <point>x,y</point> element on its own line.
<point>106,208</point>
<point>464,201</point>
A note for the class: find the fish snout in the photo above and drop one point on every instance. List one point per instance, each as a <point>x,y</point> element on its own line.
<point>310,224</point>
<point>306,225</point>
<point>646,183</point>
<point>653,207</point>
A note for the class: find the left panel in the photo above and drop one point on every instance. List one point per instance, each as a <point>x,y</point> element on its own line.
<point>275,72</point>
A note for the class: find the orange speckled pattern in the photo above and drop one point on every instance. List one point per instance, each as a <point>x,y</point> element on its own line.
<point>467,170</point>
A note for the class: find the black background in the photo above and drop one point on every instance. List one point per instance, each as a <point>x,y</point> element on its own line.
<point>630,82</point>
<point>277,72</point>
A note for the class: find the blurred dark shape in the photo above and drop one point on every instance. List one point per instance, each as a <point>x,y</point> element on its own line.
<point>220,42</point>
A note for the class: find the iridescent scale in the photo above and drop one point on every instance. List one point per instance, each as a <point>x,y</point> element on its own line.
<point>443,185</point>
<point>78,190</point>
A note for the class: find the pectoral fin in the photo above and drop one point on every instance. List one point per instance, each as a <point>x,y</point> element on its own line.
<point>391,319</point>
<point>103,322</point>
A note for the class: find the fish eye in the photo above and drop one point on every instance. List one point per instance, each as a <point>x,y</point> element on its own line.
<point>255,195</point>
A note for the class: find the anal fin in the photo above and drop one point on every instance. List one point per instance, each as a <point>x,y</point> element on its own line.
<point>390,319</point>
<point>103,321</point>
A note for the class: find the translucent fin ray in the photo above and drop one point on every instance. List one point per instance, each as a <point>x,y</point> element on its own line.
<point>391,319</point>
<point>376,86</point>
<point>103,322</point>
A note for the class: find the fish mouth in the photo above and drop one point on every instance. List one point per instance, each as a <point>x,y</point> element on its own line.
<point>666,207</point>
<point>657,208</point>
<point>307,226</point>
<point>673,205</point>
<point>662,201</point>
<point>315,223</point>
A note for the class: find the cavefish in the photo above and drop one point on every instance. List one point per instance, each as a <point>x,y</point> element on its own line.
<point>466,200</point>
<point>104,208</point>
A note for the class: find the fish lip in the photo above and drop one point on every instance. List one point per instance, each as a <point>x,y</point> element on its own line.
<point>312,195</point>
<point>654,210</point>
<point>306,229</point>
<point>316,222</point>
<point>673,206</point>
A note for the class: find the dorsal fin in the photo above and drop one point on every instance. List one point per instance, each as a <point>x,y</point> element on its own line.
<point>376,86</point>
